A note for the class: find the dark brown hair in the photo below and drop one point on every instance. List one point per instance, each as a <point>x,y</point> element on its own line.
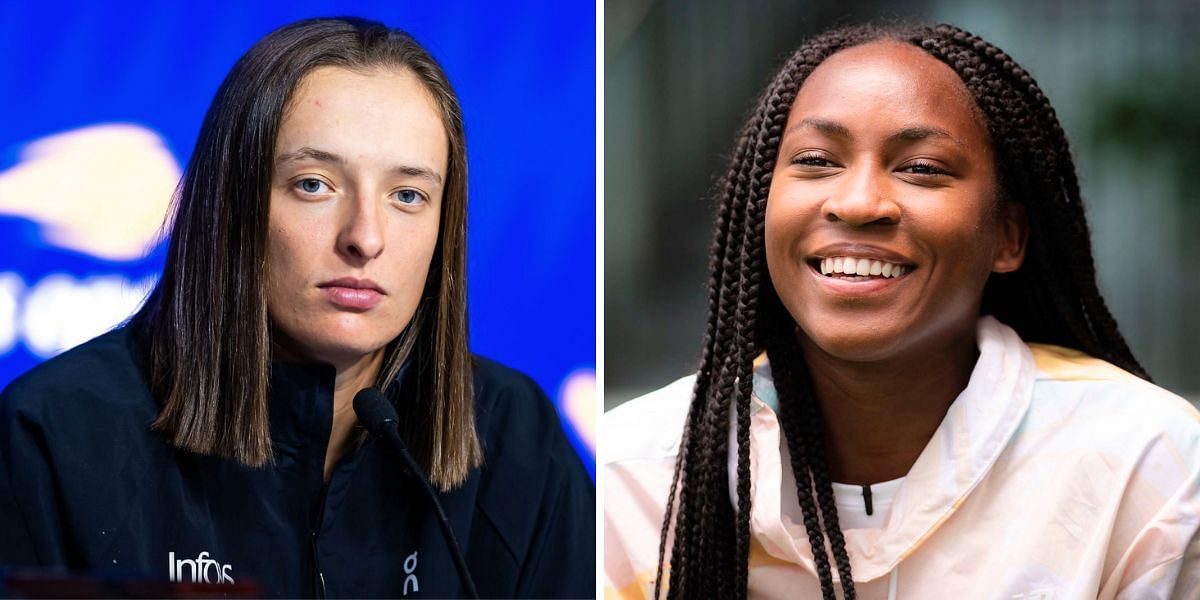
<point>206,321</point>
<point>1052,298</point>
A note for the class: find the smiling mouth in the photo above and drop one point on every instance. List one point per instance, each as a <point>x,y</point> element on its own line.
<point>849,268</point>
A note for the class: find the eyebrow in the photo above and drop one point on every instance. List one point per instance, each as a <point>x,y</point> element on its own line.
<point>907,134</point>
<point>825,126</point>
<point>307,153</point>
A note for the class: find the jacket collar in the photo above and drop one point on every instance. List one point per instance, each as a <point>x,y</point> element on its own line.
<point>976,429</point>
<point>300,397</point>
<point>300,401</point>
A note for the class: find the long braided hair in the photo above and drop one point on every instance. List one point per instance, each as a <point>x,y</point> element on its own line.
<point>709,556</point>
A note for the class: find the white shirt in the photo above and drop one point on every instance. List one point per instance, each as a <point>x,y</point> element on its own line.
<point>852,506</point>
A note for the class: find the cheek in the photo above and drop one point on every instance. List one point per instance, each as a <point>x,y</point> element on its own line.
<point>966,244</point>
<point>783,228</point>
<point>414,244</point>
<point>290,248</point>
<point>774,246</point>
<point>980,233</point>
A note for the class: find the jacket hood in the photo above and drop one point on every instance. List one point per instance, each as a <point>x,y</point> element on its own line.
<point>976,429</point>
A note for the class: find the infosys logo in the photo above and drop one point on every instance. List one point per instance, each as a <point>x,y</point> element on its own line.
<point>201,569</point>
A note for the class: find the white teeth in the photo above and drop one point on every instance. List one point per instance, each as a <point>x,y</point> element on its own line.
<point>861,267</point>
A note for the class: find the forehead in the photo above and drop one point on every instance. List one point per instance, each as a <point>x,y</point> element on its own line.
<point>889,83</point>
<point>379,115</point>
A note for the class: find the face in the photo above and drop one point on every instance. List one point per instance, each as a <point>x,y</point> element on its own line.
<point>360,165</point>
<point>882,221</point>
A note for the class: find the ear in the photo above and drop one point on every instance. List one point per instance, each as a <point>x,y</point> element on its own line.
<point>1013,232</point>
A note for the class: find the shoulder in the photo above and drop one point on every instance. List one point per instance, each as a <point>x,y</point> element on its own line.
<point>518,425</point>
<point>649,426</point>
<point>1089,411</point>
<point>641,442</point>
<point>96,378</point>
<point>1071,383</point>
<point>493,379</point>
<point>533,488</point>
<point>76,420</point>
<point>510,401</point>
<point>1125,439</point>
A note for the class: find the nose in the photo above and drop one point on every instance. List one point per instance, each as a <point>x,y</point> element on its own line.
<point>863,198</point>
<point>360,237</point>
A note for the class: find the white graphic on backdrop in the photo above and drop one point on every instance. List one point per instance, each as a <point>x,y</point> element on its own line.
<point>11,288</point>
<point>61,311</point>
<point>102,190</point>
<point>577,398</point>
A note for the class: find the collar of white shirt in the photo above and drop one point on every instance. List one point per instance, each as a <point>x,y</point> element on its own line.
<point>980,422</point>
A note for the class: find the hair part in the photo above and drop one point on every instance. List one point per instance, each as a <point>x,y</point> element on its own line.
<point>206,322</point>
<point>706,540</point>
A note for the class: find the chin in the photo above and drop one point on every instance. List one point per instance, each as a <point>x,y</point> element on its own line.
<point>338,351</point>
<point>862,342</point>
<point>337,344</point>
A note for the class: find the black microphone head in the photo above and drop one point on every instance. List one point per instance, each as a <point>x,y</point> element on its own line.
<point>374,411</point>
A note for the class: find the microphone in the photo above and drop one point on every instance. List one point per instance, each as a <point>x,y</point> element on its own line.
<point>378,415</point>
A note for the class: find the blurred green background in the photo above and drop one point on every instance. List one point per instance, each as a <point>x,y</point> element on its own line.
<point>681,76</point>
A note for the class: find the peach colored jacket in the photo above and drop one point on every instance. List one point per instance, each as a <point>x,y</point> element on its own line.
<point>1054,475</point>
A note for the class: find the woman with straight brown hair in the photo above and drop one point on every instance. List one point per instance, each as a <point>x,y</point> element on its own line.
<point>314,286</point>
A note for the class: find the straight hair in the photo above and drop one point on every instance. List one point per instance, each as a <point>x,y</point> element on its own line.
<point>206,323</point>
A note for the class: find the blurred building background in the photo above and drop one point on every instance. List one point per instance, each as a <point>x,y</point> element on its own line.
<point>101,102</point>
<point>681,76</point>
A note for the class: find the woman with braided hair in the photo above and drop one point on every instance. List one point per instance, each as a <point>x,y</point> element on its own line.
<point>910,383</point>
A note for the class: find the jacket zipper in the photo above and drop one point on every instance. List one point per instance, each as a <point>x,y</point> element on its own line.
<point>314,534</point>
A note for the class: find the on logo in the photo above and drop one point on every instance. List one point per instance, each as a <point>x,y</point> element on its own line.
<point>410,565</point>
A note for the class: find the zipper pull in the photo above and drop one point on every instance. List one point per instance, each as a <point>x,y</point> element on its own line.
<point>867,498</point>
<point>320,591</point>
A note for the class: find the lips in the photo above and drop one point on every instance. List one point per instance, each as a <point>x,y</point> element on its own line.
<point>846,269</point>
<point>352,294</point>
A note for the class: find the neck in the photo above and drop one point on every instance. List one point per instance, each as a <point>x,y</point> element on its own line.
<point>351,378</point>
<point>877,417</point>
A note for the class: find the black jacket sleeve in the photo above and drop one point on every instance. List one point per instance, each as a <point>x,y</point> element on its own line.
<point>536,493</point>
<point>29,528</point>
<point>562,559</point>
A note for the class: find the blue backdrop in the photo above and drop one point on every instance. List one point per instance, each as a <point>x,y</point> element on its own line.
<point>100,107</point>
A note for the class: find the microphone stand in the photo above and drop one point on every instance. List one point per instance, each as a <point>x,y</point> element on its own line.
<point>380,418</point>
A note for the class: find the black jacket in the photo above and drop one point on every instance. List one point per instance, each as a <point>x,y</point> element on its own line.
<point>85,485</point>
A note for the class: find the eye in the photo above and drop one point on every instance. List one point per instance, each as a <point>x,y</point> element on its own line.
<point>310,185</point>
<point>812,160</point>
<point>924,168</point>
<point>408,196</point>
